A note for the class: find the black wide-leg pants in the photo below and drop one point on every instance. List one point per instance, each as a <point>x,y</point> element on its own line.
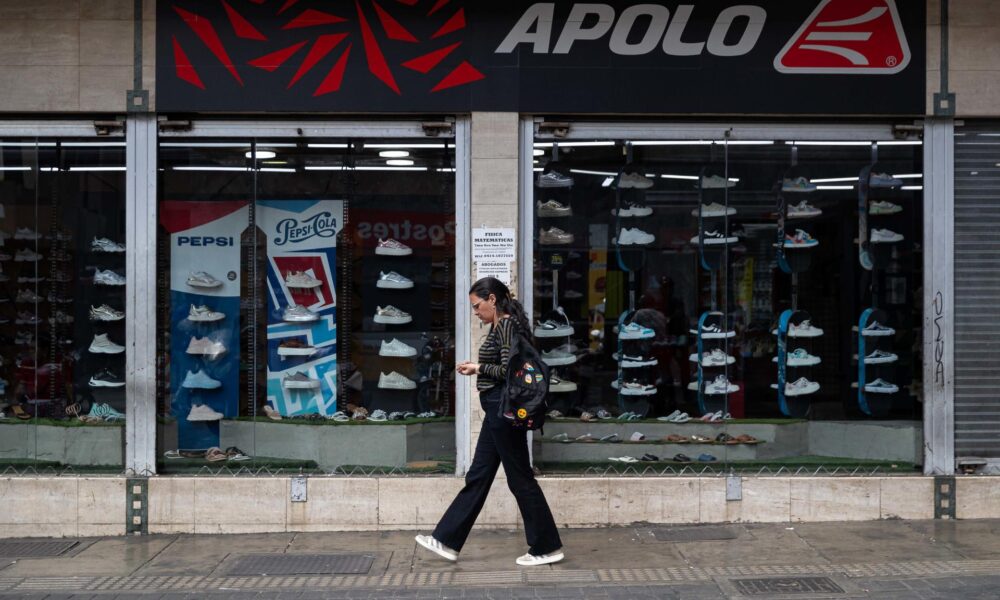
<point>500,443</point>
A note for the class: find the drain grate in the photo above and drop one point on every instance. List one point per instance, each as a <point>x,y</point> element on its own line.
<point>32,549</point>
<point>302,564</point>
<point>786,585</point>
<point>694,534</point>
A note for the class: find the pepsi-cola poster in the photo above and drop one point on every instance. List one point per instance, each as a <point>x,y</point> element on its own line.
<point>205,279</point>
<point>301,303</point>
<point>621,56</point>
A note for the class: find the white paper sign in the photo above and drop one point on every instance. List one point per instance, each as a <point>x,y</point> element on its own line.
<point>493,251</point>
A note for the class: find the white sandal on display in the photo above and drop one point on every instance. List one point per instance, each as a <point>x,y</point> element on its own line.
<point>437,547</point>
<point>530,560</point>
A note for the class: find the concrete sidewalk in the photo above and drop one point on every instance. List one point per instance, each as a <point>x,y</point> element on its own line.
<point>882,559</point>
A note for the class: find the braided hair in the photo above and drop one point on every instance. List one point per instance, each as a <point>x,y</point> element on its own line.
<point>506,303</point>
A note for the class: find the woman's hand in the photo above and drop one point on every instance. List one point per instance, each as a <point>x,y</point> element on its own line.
<point>467,368</point>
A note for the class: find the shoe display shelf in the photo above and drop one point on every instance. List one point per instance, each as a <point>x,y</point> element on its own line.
<point>875,190</point>
<point>794,250</point>
<point>102,372</point>
<point>713,212</point>
<point>712,362</point>
<point>794,392</point>
<point>875,363</point>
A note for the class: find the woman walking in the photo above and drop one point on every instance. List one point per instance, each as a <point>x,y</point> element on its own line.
<point>499,442</point>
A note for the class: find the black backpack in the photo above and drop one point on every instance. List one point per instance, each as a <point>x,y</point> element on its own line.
<point>523,401</point>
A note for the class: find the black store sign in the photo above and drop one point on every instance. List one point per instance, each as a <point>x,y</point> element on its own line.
<point>858,57</point>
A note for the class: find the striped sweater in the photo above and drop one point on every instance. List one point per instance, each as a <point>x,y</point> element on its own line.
<point>494,354</point>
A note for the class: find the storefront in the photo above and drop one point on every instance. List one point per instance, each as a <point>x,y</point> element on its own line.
<point>724,230</point>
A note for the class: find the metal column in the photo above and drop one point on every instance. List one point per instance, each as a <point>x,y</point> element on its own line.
<point>463,275</point>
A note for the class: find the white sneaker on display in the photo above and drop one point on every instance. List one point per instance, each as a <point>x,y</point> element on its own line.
<point>395,381</point>
<point>714,210</point>
<point>106,245</point>
<point>396,348</point>
<point>108,277</point>
<point>721,385</point>
<point>201,279</point>
<point>803,210</point>
<point>301,279</point>
<point>553,208</point>
<point>204,314</point>
<point>633,237</point>
<point>299,381</point>
<point>390,247</point>
<point>884,236</point>
<point>390,315</point>
<point>716,182</point>
<point>205,347</point>
<point>102,345</point>
<point>200,412</point>
<point>105,313</point>
<point>200,381</point>
<point>299,314</point>
<point>884,207</point>
<point>715,358</point>
<point>636,181</point>
<point>393,280</point>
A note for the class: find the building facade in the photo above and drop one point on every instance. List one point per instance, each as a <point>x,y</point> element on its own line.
<point>755,241</point>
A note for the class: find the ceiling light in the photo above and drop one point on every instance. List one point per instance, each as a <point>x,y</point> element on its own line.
<point>405,146</point>
<point>394,154</point>
<point>97,169</point>
<point>399,162</point>
<point>261,154</point>
<point>538,152</point>
<point>834,187</point>
<point>328,145</point>
<point>574,144</point>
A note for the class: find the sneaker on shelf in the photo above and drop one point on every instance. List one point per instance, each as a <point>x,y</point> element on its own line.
<point>884,236</point>
<point>559,385</point>
<point>109,277</point>
<point>396,348</point>
<point>714,210</point>
<point>633,237</point>
<point>881,386</point>
<point>24,338</point>
<point>634,361</point>
<point>803,329</point>
<point>295,347</point>
<point>801,387</point>
<point>395,381</point>
<point>878,357</point>
<point>24,233</point>
<point>797,184</point>
<point>390,247</point>
<point>102,345</point>
<point>378,415</point>
<point>799,358</point>
<point>554,179</point>
<point>634,331</point>
<point>876,329</point>
<point>27,296</point>
<point>299,381</point>
<point>558,357</point>
<point>553,208</point>
<point>636,181</point>
<point>205,347</point>
<point>632,208</point>
<point>27,318</point>
<point>298,314</point>
<point>884,180</point>
<point>554,237</point>
<point>715,358</point>
<point>105,313</point>
<point>201,412</point>
<point>390,315</point>
<point>393,281</point>
<point>801,239</point>
<point>105,412</point>
<point>301,279</point>
<point>552,328</point>
<point>200,381</point>
<point>201,279</point>
<point>105,245</point>
<point>710,182</point>
<point>721,385</point>
<point>203,314</point>
<point>884,207</point>
<point>27,255</point>
<point>710,238</point>
<point>711,331</point>
<point>803,210</point>
<point>106,378</point>
<point>60,318</point>
<point>637,388</point>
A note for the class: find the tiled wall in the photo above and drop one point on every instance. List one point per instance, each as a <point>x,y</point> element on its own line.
<point>974,45</point>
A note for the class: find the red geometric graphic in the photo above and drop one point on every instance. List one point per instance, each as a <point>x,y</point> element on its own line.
<point>288,4</point>
<point>313,18</point>
<point>860,37</point>
<point>463,73</point>
<point>456,22</point>
<point>270,62</point>
<point>203,28</point>
<point>241,26</point>
<point>333,79</point>
<point>424,64</point>
<point>437,6</point>
<point>183,68</point>
<point>393,29</point>
<point>321,48</point>
<point>376,60</point>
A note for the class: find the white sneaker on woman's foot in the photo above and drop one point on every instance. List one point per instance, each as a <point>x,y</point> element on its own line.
<point>531,560</point>
<point>437,547</point>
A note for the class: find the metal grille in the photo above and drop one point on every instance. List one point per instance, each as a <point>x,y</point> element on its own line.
<point>34,549</point>
<point>302,564</point>
<point>977,289</point>
<point>771,586</point>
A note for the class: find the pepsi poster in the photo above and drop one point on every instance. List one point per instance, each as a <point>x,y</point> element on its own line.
<point>302,303</point>
<point>817,57</point>
<point>205,283</point>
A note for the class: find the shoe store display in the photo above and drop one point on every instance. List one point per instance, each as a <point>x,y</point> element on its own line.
<point>106,245</point>
<point>27,296</point>
<point>553,208</point>
<point>884,207</point>
<point>880,386</point>
<point>710,182</point>
<point>711,331</point>
<point>201,412</point>
<point>557,357</point>
<point>111,278</point>
<point>395,381</point>
<point>301,280</point>
<point>884,180</point>
<point>204,314</point>
<point>876,329</point>
<point>634,331</point>
<point>201,279</point>
<point>633,237</point>
<point>391,247</point>
<point>106,378</point>
<point>632,208</point>
<point>24,233</point>
<point>552,328</point>
<point>797,184</point>
<point>559,385</point>
<point>801,239</point>
<point>298,314</point>
<point>295,347</point>
<point>878,357</point>
<point>205,347</point>
<point>554,236</point>
<point>714,210</point>
<point>799,358</point>
<point>102,345</point>
<point>803,210</point>
<point>884,236</point>
<point>27,255</point>
<point>635,181</point>
<point>299,381</point>
<point>396,348</point>
<point>713,358</point>
<point>554,179</point>
<point>799,387</point>
<point>714,237</point>
<point>804,329</point>
<point>390,315</point>
<point>393,280</point>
